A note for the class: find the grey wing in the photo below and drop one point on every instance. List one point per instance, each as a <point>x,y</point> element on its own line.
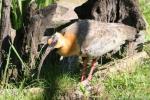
<point>98,45</point>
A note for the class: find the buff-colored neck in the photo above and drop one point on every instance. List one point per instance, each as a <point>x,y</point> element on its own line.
<point>68,44</point>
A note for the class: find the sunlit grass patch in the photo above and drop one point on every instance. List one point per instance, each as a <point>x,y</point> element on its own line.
<point>62,86</point>
<point>65,82</point>
<point>130,85</point>
<point>16,94</point>
<point>145,8</point>
<point>147,36</point>
<point>35,90</point>
<point>0,8</point>
<point>43,3</point>
<point>124,86</point>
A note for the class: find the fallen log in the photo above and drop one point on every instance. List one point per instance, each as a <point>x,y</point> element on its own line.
<point>119,11</point>
<point>127,64</point>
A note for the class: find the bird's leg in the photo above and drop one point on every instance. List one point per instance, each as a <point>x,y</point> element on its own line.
<point>85,61</point>
<point>92,69</point>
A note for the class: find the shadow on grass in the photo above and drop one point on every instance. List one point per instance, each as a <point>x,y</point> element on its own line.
<point>52,71</point>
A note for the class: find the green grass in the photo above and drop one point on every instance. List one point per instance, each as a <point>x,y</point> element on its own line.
<point>130,86</point>
<point>126,86</point>
<point>18,8</point>
<point>0,8</point>
<point>20,95</point>
<point>66,82</point>
<point>145,8</point>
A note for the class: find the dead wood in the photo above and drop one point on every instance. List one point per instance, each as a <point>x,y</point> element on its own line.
<point>5,24</point>
<point>119,11</point>
<point>42,22</point>
<point>127,64</point>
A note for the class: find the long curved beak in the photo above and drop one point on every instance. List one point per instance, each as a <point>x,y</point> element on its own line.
<point>50,48</point>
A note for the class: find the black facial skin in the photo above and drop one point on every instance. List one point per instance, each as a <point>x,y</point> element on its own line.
<point>54,41</point>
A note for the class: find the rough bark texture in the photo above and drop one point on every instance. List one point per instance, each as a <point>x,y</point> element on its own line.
<point>119,11</point>
<point>5,30</point>
<point>34,30</point>
<point>127,64</point>
<point>40,23</point>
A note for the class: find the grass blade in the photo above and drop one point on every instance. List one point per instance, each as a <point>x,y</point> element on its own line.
<point>22,62</point>
<point>20,5</point>
<point>7,65</point>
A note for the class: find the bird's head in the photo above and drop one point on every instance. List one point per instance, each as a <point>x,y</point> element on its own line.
<point>55,41</point>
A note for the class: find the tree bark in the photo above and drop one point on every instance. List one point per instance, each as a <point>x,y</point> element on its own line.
<point>41,22</point>
<point>119,11</point>
<point>115,11</point>
<point>5,29</point>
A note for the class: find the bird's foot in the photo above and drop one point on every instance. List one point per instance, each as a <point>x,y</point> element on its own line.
<point>85,82</point>
<point>84,88</point>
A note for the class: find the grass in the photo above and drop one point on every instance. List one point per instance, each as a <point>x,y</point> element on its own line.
<point>125,86</point>
<point>14,94</point>
<point>130,86</point>
<point>18,8</point>
<point>0,8</point>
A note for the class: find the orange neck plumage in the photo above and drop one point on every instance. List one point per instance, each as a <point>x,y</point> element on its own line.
<point>69,45</point>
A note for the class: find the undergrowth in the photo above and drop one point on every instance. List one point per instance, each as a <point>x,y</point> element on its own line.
<point>130,86</point>
<point>125,86</point>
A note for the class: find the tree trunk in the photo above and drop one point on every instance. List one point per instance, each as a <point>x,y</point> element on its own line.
<point>40,23</point>
<point>119,11</point>
<point>5,30</point>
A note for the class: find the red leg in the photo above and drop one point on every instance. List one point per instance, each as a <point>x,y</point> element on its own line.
<point>92,69</point>
<point>85,61</point>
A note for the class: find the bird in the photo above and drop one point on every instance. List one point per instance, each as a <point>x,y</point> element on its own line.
<point>90,39</point>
